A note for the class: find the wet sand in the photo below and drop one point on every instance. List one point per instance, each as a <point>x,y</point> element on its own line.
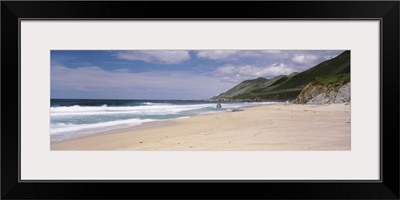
<point>269,127</point>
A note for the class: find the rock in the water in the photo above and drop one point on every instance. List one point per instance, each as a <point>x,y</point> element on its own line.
<point>219,105</point>
<point>237,110</point>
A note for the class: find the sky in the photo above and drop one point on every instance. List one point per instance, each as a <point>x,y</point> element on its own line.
<point>169,74</point>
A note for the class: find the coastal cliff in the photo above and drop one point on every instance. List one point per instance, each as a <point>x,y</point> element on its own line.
<point>323,90</point>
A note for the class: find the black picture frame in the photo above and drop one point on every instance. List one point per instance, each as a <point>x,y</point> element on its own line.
<point>386,11</point>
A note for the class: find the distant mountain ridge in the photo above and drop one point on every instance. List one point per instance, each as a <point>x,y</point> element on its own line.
<point>285,87</point>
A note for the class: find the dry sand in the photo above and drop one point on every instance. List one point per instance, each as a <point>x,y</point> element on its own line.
<point>270,127</point>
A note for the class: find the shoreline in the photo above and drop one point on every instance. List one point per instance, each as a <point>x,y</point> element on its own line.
<point>258,127</point>
<point>144,125</point>
<point>155,123</point>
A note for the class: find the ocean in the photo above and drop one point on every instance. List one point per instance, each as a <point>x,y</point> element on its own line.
<point>73,118</point>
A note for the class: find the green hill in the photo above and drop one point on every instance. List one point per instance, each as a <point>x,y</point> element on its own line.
<point>282,87</point>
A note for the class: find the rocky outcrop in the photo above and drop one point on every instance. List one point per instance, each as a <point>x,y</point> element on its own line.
<point>343,94</point>
<point>318,93</point>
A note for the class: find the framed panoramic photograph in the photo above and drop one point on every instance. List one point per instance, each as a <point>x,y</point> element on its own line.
<point>261,98</point>
<point>163,100</point>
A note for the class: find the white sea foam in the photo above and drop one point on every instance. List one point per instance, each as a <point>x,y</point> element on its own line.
<point>75,121</point>
<point>67,131</point>
<point>153,104</point>
<point>140,110</point>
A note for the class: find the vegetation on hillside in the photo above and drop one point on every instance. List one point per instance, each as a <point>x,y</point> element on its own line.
<point>288,87</point>
<point>334,79</point>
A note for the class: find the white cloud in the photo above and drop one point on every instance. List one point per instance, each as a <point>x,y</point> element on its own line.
<point>272,51</point>
<point>155,56</point>
<point>229,54</point>
<point>278,69</point>
<point>304,59</point>
<point>216,55</point>
<point>237,73</point>
<point>328,57</point>
<point>237,54</point>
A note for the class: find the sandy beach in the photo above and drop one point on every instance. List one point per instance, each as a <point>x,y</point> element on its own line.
<point>270,127</point>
